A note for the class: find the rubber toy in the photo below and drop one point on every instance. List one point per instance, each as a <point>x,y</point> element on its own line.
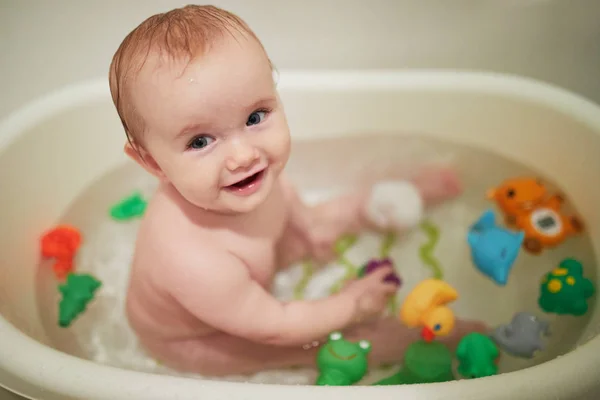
<point>565,290</point>
<point>522,337</point>
<point>528,206</point>
<point>340,248</point>
<point>395,206</point>
<point>63,267</point>
<point>131,207</point>
<point>77,292</point>
<point>494,249</point>
<point>343,244</point>
<point>375,264</point>
<point>424,362</point>
<point>308,271</point>
<point>340,362</point>
<point>62,244</point>
<point>426,251</point>
<point>425,306</point>
<point>477,355</point>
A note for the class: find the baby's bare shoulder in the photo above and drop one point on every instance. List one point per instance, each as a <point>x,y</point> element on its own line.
<point>168,241</point>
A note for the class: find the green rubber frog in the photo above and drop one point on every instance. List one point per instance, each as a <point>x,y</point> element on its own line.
<point>424,362</point>
<point>342,363</point>
<point>77,292</point>
<point>565,290</point>
<point>477,354</point>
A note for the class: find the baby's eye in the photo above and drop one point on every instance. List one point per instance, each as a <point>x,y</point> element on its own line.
<point>200,142</point>
<point>256,117</point>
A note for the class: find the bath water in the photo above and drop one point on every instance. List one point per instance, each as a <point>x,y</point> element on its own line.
<point>319,167</point>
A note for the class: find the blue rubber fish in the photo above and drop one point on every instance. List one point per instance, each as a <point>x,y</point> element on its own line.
<point>494,249</point>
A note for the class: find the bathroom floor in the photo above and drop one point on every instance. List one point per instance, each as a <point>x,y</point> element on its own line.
<point>102,333</point>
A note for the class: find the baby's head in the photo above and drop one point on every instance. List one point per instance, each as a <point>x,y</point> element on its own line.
<point>195,92</point>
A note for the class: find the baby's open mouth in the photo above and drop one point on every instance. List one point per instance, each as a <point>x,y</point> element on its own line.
<point>248,182</point>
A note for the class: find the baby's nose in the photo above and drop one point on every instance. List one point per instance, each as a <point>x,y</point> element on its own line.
<point>242,155</point>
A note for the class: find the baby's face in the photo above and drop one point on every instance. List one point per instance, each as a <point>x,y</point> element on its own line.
<point>215,128</point>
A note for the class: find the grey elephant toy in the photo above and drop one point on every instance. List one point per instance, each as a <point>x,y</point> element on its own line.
<point>522,337</point>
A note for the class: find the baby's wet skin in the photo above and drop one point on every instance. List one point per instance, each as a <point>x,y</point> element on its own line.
<point>216,136</point>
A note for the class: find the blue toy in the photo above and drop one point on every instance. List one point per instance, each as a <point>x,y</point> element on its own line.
<point>494,249</point>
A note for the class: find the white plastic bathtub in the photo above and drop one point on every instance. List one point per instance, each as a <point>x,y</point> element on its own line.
<point>51,150</point>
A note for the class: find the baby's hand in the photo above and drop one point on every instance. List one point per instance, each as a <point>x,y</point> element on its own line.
<point>394,206</point>
<point>370,293</point>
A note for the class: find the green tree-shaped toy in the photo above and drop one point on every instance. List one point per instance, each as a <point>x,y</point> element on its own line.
<point>340,362</point>
<point>77,292</point>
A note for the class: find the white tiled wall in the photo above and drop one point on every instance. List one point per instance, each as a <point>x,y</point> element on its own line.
<point>45,44</point>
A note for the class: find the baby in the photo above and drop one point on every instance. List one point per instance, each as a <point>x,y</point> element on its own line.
<point>195,92</point>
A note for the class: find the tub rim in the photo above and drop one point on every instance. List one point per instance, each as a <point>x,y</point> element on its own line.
<point>26,353</point>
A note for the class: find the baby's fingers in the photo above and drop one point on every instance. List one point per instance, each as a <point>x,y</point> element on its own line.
<point>380,273</point>
<point>389,288</point>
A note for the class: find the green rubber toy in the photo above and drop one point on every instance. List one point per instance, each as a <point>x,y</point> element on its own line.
<point>340,362</point>
<point>131,207</point>
<point>77,292</point>
<point>477,354</point>
<point>424,362</point>
<point>565,290</point>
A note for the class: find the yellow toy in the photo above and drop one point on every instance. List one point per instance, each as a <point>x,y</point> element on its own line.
<point>426,306</point>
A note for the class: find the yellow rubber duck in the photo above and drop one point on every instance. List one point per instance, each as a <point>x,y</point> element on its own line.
<point>426,306</point>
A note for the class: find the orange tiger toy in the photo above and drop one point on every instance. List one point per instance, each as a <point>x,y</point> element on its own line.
<point>528,206</point>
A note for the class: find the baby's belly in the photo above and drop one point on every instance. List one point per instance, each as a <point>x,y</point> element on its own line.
<point>154,318</point>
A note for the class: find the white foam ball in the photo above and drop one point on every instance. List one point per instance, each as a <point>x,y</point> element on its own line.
<point>395,205</point>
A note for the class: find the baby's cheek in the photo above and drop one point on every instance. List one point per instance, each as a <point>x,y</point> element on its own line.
<point>197,183</point>
<point>277,143</point>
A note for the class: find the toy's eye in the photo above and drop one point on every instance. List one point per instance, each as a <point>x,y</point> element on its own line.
<point>437,327</point>
<point>335,336</point>
<point>510,193</point>
<point>364,344</point>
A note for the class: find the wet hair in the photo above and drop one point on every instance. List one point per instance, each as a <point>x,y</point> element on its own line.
<point>181,34</point>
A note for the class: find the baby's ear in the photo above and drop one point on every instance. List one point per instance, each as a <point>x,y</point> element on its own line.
<point>144,159</point>
<point>365,345</point>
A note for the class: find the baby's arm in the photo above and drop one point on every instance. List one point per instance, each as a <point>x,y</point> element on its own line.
<point>395,205</point>
<point>218,289</point>
<point>311,230</point>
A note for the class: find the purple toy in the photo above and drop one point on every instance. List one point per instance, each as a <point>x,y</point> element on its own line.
<point>375,264</point>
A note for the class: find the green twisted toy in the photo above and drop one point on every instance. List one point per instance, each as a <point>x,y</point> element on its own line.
<point>307,272</point>
<point>426,251</point>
